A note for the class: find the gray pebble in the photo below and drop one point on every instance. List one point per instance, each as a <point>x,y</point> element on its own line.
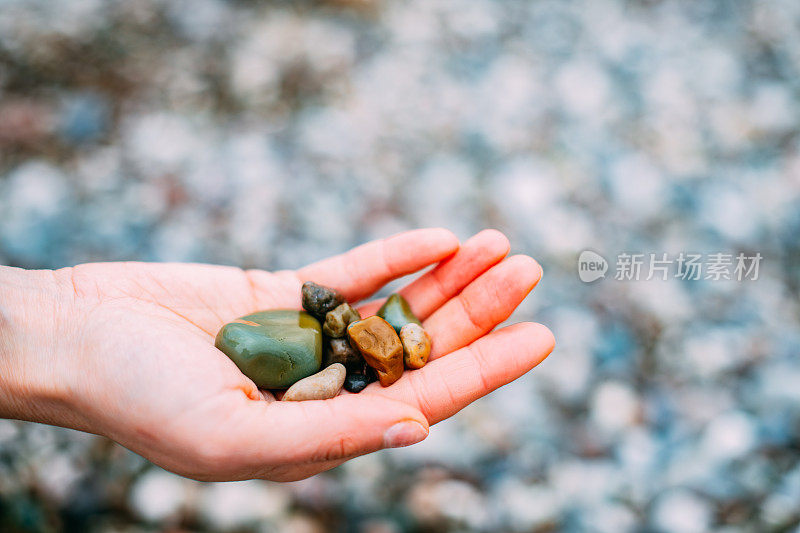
<point>336,321</point>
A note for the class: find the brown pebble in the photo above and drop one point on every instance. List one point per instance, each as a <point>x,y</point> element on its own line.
<point>378,342</point>
<point>320,386</point>
<point>416,345</point>
<point>336,321</point>
<point>340,351</point>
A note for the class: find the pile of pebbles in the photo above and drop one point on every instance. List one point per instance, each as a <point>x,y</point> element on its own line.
<point>315,353</point>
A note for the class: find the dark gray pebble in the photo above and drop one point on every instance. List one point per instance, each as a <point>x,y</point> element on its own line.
<point>318,300</point>
<point>356,382</point>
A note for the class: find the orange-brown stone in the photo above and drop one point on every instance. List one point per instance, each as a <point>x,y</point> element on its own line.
<point>378,342</point>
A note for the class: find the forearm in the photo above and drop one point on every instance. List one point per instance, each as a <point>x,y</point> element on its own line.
<point>36,346</point>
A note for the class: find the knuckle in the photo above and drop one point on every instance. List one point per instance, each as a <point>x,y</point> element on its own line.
<point>340,447</point>
<point>476,319</point>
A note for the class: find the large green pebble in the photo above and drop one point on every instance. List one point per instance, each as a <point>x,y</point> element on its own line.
<point>397,312</point>
<point>273,348</point>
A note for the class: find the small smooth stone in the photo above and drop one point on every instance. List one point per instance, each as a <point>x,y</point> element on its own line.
<point>397,312</point>
<point>273,348</point>
<point>416,345</point>
<point>320,386</point>
<point>356,382</point>
<point>318,300</point>
<point>379,344</point>
<point>336,321</point>
<point>340,351</point>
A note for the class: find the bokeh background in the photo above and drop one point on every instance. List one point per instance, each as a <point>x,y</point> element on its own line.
<point>271,134</point>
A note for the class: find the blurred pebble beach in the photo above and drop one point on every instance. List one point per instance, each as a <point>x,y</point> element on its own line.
<point>272,134</point>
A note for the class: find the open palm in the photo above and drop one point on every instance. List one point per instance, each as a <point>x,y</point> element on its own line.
<point>149,376</point>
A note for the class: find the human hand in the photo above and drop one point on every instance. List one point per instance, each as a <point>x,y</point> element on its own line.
<point>126,350</point>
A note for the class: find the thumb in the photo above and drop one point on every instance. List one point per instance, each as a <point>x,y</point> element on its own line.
<point>330,430</point>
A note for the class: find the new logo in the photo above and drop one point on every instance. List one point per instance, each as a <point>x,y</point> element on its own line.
<point>591,266</point>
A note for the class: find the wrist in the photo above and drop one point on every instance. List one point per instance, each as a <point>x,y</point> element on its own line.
<point>35,347</point>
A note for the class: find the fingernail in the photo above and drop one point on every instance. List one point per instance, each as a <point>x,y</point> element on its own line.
<point>404,433</point>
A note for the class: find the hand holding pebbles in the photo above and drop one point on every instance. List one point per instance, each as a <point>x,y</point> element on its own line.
<point>285,348</point>
<point>320,386</point>
<point>416,345</point>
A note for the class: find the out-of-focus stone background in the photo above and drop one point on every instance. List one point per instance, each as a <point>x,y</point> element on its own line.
<point>270,134</point>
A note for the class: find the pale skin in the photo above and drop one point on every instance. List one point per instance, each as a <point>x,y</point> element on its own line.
<point>126,350</point>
